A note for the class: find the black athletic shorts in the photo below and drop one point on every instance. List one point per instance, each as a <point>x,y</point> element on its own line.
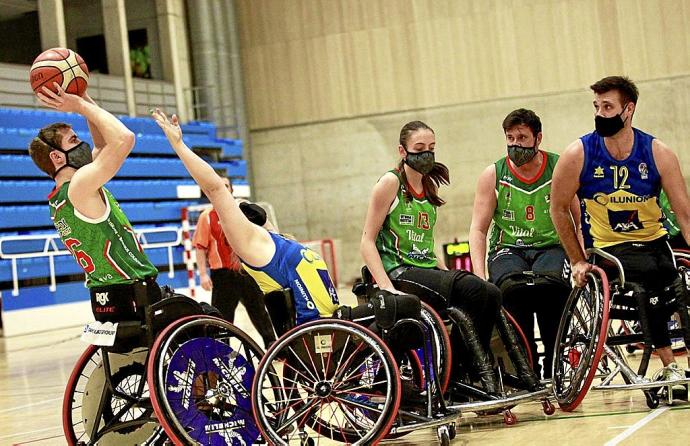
<point>650,264</point>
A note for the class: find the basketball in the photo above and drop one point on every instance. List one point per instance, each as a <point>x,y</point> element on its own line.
<point>60,65</point>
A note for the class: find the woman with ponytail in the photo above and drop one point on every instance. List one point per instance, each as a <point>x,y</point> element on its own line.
<point>398,239</point>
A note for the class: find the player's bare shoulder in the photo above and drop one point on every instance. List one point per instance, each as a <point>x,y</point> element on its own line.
<point>664,157</point>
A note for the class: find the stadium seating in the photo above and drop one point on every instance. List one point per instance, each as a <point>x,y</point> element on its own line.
<point>148,187</point>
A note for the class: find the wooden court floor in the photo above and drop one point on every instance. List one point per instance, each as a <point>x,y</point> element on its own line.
<point>34,370</point>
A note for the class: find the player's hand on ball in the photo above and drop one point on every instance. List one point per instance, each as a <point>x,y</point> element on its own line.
<point>61,100</point>
<point>171,127</point>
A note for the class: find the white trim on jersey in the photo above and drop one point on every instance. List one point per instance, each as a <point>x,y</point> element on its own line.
<point>94,221</point>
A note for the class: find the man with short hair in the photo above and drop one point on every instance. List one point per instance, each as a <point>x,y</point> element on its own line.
<point>86,215</point>
<point>513,197</point>
<point>618,172</point>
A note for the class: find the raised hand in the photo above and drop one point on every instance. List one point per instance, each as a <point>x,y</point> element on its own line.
<point>171,127</point>
<point>62,101</point>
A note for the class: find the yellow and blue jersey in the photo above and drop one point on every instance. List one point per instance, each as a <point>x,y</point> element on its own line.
<point>620,198</point>
<point>303,271</point>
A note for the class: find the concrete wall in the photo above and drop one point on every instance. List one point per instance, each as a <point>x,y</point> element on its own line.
<point>319,176</point>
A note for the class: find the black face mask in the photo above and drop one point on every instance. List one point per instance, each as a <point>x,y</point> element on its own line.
<point>422,162</point>
<point>521,155</point>
<point>76,157</point>
<point>609,126</point>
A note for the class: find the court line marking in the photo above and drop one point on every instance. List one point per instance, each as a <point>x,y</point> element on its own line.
<point>631,430</point>
<point>11,409</point>
<point>36,440</point>
<point>59,428</point>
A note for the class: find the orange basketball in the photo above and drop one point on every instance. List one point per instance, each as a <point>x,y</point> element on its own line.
<point>60,65</point>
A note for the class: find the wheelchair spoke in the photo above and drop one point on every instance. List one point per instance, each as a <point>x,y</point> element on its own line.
<point>354,425</point>
<point>306,368</point>
<point>358,404</point>
<point>367,365</point>
<point>302,412</point>
<point>311,358</point>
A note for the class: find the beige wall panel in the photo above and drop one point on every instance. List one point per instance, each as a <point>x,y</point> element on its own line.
<point>332,59</point>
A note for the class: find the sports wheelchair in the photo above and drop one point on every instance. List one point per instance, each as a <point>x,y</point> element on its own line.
<point>173,371</point>
<point>338,379</point>
<point>496,368</point>
<point>586,332</point>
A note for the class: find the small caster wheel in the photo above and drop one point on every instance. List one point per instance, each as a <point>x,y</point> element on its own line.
<point>547,407</point>
<point>652,400</point>
<point>452,431</point>
<point>443,434</point>
<point>509,418</point>
<point>308,442</point>
<point>630,348</point>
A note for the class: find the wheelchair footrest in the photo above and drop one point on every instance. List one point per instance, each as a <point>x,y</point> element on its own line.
<point>501,403</point>
<point>643,385</point>
<point>448,417</point>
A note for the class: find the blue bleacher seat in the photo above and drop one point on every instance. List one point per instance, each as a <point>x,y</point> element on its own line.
<point>23,166</point>
<point>233,168</point>
<point>37,190</point>
<point>39,215</point>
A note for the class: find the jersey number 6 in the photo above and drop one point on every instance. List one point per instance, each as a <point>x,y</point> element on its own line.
<point>83,258</point>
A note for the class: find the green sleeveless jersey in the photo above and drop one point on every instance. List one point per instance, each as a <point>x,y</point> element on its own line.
<point>407,234</point>
<point>106,247</point>
<point>522,218</point>
<point>670,220</point>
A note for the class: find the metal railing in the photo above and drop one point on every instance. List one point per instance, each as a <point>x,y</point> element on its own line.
<point>51,249</point>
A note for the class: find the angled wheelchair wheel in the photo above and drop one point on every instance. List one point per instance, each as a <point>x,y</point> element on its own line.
<point>200,371</point>
<point>337,380</point>
<point>580,340</point>
<point>109,410</point>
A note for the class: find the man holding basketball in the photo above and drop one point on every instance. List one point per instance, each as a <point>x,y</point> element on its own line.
<point>86,215</point>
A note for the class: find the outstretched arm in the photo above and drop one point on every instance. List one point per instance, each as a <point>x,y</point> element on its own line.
<point>98,140</point>
<point>252,243</point>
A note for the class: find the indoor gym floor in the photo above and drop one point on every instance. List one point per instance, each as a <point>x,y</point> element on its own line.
<point>34,370</point>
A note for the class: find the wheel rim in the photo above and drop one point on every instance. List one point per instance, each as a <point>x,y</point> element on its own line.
<point>130,423</point>
<point>207,367</point>
<point>338,381</point>
<point>581,338</point>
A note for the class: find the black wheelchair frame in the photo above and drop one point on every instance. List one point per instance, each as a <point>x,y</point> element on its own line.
<point>463,395</point>
<point>281,309</point>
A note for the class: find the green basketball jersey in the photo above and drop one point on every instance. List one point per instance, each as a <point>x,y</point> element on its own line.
<point>407,234</point>
<point>106,248</point>
<point>522,217</point>
<point>670,221</point>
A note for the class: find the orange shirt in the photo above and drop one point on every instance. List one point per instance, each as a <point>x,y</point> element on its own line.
<point>209,236</point>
